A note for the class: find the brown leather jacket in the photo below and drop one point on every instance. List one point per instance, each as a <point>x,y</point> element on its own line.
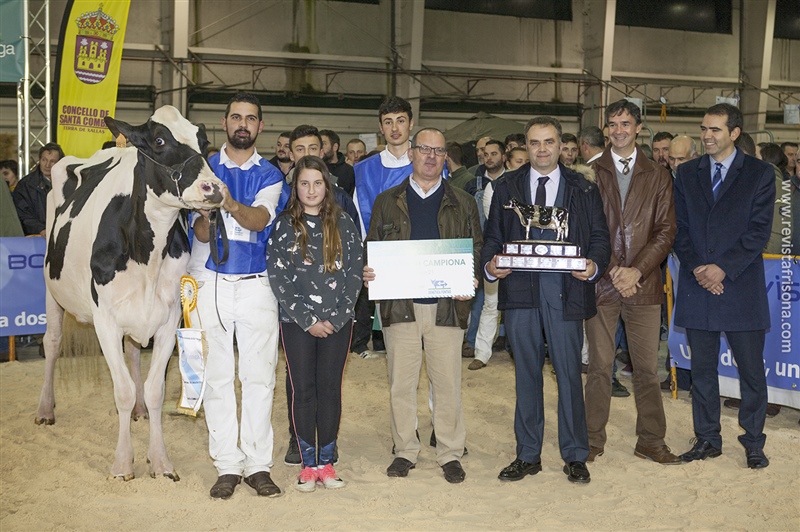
<point>458,218</point>
<point>642,234</point>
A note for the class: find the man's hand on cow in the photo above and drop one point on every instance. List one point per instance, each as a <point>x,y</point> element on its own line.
<point>494,271</point>
<point>228,203</point>
<point>625,280</point>
<point>588,273</point>
<point>709,275</point>
<point>368,275</point>
<point>205,213</point>
<point>467,298</point>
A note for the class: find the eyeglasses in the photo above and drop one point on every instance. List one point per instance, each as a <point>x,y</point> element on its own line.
<point>426,150</point>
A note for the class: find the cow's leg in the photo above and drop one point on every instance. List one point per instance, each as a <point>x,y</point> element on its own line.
<point>110,337</point>
<point>132,351</point>
<point>52,343</point>
<point>163,346</point>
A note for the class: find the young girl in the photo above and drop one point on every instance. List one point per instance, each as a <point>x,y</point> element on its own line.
<point>315,261</point>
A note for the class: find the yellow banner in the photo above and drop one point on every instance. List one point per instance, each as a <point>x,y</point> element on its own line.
<point>91,54</point>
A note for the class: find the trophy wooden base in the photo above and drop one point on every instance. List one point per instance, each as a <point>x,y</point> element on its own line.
<point>541,255</point>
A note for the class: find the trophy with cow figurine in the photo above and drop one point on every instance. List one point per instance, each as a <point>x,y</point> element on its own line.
<point>541,255</point>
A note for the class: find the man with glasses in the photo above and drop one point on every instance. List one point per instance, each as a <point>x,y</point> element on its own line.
<point>425,207</point>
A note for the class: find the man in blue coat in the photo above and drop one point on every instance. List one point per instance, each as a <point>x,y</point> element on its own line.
<point>723,205</point>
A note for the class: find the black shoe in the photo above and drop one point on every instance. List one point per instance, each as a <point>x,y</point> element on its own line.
<point>519,470</point>
<point>618,389</point>
<point>756,459</point>
<point>263,484</point>
<point>577,472</point>
<point>666,385</point>
<point>224,486</point>
<point>293,453</point>
<point>453,472</point>
<point>499,344</point>
<point>732,403</point>
<point>701,450</point>
<point>399,467</point>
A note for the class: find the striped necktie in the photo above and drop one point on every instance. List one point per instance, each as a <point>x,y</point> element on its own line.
<point>716,180</point>
<point>625,168</point>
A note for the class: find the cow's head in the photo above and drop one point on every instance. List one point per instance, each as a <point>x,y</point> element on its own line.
<point>172,150</point>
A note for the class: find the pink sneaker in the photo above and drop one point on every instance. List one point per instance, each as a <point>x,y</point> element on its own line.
<point>306,480</point>
<point>328,478</point>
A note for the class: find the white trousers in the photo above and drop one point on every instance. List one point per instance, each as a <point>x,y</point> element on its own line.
<point>487,327</point>
<point>249,309</point>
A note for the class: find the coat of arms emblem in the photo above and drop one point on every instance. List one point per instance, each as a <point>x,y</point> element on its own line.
<point>93,45</point>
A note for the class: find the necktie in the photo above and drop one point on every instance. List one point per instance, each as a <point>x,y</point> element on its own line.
<point>625,168</point>
<point>716,181</point>
<point>541,193</point>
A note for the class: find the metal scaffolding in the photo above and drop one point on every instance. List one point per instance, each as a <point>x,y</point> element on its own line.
<point>34,91</point>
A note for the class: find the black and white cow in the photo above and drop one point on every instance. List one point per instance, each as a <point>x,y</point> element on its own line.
<point>541,217</point>
<point>116,250</point>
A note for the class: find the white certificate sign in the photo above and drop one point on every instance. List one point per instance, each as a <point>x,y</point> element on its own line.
<point>418,269</point>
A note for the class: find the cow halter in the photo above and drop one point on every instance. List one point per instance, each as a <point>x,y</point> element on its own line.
<point>175,172</point>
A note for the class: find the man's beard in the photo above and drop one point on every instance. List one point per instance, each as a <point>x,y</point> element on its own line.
<point>241,143</point>
<point>283,158</point>
<point>327,157</point>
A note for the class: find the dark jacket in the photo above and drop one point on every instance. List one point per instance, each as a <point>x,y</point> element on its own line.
<point>9,222</point>
<point>30,199</point>
<point>642,234</point>
<point>587,228</point>
<point>277,164</point>
<point>345,176</point>
<point>730,233</point>
<point>458,218</point>
<point>347,205</point>
<point>459,178</point>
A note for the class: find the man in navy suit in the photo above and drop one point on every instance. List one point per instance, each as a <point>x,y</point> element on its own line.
<point>723,206</point>
<point>554,301</point>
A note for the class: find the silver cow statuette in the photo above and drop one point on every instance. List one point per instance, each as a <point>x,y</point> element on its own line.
<point>541,255</point>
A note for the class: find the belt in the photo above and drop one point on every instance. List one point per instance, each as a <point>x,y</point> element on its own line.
<point>235,278</point>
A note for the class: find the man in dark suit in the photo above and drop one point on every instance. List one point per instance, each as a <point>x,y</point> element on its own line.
<point>554,301</point>
<point>723,207</point>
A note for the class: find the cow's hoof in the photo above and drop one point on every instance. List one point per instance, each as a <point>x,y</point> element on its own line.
<point>45,420</point>
<point>172,476</point>
<point>126,477</point>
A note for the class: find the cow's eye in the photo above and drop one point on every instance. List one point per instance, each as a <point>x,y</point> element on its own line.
<point>159,141</point>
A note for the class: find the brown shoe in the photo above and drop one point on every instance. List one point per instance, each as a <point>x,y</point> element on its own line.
<point>660,454</point>
<point>467,351</point>
<point>476,364</point>
<point>594,452</point>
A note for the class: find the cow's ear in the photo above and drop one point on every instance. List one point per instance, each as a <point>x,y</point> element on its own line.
<point>132,133</point>
<point>202,139</point>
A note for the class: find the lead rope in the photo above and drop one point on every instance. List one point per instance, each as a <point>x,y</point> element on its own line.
<point>216,233</point>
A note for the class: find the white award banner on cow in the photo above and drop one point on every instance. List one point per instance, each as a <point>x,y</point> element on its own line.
<point>192,352</point>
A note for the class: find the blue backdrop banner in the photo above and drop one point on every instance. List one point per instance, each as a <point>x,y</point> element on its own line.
<point>782,345</point>
<point>22,289</point>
